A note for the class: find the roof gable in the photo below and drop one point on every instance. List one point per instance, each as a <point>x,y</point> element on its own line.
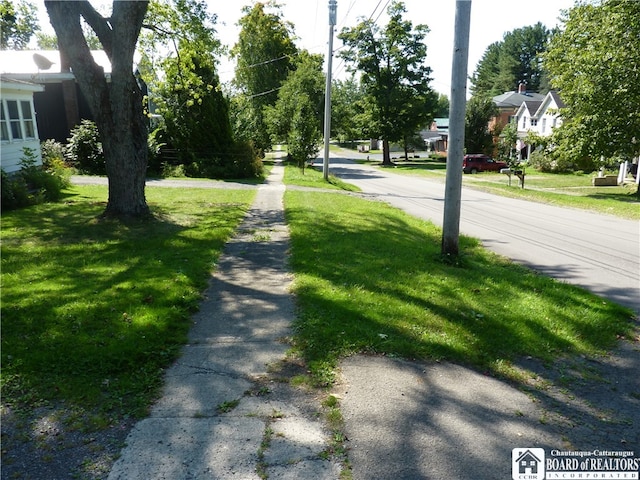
<point>551,101</point>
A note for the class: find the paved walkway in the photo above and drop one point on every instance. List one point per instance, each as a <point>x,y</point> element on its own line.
<point>224,414</point>
<point>220,417</point>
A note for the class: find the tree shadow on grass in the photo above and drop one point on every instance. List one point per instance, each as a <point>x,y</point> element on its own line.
<point>378,286</point>
<point>93,308</point>
<point>394,295</point>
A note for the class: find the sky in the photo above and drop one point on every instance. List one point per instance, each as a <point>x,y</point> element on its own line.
<point>490,20</point>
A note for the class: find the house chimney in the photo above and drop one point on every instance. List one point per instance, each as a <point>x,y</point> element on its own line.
<point>522,87</point>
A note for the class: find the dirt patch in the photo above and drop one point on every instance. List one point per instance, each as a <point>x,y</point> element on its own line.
<point>56,442</point>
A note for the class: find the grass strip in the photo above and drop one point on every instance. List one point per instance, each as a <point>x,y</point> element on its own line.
<point>565,190</point>
<point>93,309</point>
<point>370,278</point>
<point>313,177</point>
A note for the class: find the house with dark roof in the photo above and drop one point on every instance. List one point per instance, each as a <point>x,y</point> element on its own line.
<point>61,105</point>
<point>508,104</point>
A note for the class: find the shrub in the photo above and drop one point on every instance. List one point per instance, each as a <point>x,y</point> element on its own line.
<point>240,161</point>
<point>84,150</point>
<point>54,163</point>
<point>33,184</point>
<point>52,153</point>
<point>15,193</point>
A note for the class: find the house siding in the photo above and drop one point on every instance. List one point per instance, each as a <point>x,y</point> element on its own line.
<point>24,132</point>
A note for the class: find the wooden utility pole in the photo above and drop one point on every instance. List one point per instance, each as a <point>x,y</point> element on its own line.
<point>333,7</point>
<point>455,152</point>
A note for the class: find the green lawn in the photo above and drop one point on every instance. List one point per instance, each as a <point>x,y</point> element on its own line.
<point>370,278</point>
<point>92,310</point>
<point>313,177</point>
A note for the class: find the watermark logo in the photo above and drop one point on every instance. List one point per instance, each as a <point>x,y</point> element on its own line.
<point>534,464</point>
<point>527,464</point>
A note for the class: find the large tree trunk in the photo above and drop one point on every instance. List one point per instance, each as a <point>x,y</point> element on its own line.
<point>386,153</point>
<point>116,105</point>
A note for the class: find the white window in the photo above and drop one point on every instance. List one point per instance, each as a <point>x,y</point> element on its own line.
<point>524,122</point>
<point>544,125</point>
<point>18,120</point>
<point>534,122</point>
<point>4,129</point>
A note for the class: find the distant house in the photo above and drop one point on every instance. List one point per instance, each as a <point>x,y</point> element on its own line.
<point>508,104</point>
<point>437,136</point>
<point>539,117</point>
<point>18,126</point>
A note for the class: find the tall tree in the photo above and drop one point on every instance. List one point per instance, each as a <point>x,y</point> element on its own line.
<point>305,84</point>
<point>477,137</point>
<point>182,44</point>
<point>18,23</point>
<point>264,55</point>
<point>394,75</point>
<point>304,135</point>
<point>346,110</point>
<point>516,59</point>
<point>116,105</point>
<point>594,62</point>
<point>442,107</point>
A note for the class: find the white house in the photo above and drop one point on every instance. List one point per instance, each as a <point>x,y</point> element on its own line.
<point>18,127</point>
<point>539,117</point>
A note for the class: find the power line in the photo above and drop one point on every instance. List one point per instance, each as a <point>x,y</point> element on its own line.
<point>374,10</point>
<point>263,93</point>
<point>381,11</point>
<point>268,61</point>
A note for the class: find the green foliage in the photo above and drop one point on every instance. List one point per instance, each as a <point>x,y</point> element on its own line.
<point>394,77</point>
<point>304,85</point>
<point>513,60</point>
<point>507,143</point>
<point>264,54</point>
<point>594,62</point>
<point>33,184</point>
<point>189,97</point>
<point>304,136</point>
<point>442,107</point>
<point>18,23</point>
<point>477,137</point>
<point>347,110</point>
<point>84,149</point>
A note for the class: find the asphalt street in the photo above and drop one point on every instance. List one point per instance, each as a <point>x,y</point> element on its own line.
<point>595,251</point>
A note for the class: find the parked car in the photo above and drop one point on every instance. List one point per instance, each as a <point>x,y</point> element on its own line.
<point>481,163</point>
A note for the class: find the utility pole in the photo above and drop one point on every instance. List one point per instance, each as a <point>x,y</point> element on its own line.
<point>333,8</point>
<point>457,109</point>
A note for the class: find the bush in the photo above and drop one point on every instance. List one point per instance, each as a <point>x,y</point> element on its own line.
<point>54,163</point>
<point>240,161</point>
<point>33,184</point>
<point>84,150</point>
<point>542,162</point>
<point>15,193</point>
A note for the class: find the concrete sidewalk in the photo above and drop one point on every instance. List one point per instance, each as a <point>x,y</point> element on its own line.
<point>224,415</point>
<point>220,417</point>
